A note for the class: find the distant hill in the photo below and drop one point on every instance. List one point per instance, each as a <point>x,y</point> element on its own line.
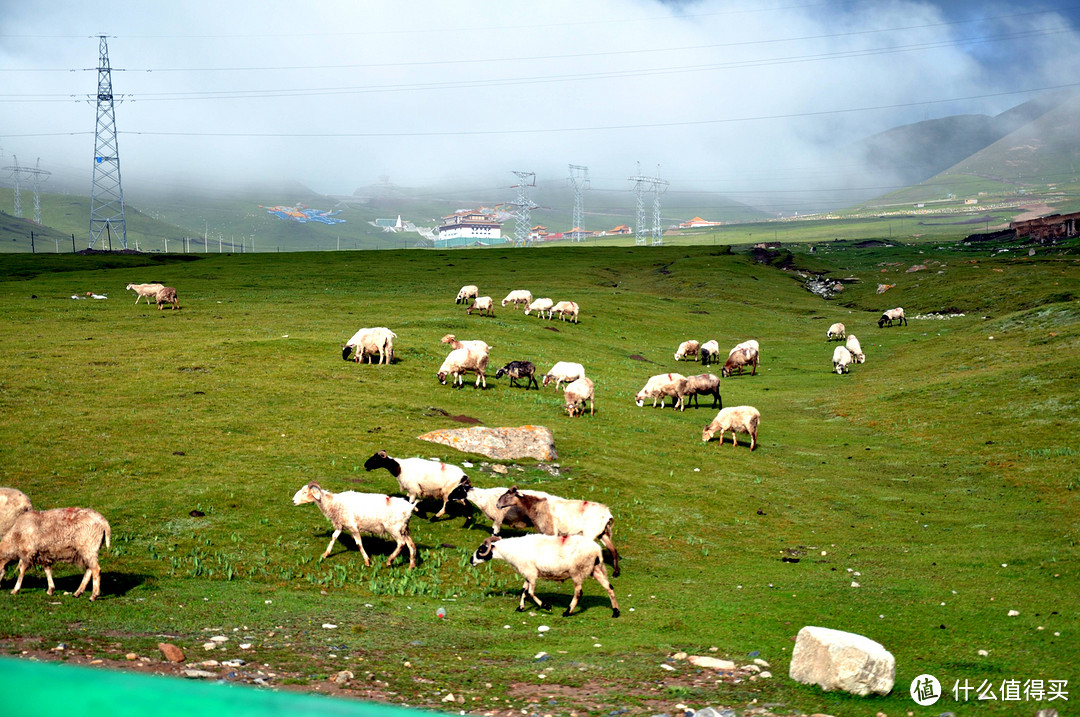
<point>916,152</point>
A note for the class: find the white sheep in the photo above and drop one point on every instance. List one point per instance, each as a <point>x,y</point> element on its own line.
<point>540,306</point>
<point>368,342</point>
<point>461,361</point>
<point>563,372</point>
<point>566,309</point>
<point>420,478</point>
<point>841,360</point>
<point>469,291</point>
<point>855,348</point>
<point>482,304</point>
<point>61,535</point>
<point>562,516</point>
<point>748,345</point>
<point>518,296</point>
<point>577,393</point>
<point>475,345</point>
<point>485,499</point>
<point>687,348</point>
<point>836,332</point>
<point>737,419</point>
<point>892,315</point>
<point>661,386</point>
<point>549,557</point>
<point>709,352</point>
<point>145,291</point>
<point>363,513</point>
<point>13,503</point>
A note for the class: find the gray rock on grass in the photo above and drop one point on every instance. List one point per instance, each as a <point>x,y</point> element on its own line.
<point>838,660</point>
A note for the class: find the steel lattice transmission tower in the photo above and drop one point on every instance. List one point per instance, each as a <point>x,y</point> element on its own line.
<point>579,180</point>
<point>106,196</point>
<point>524,206</point>
<point>16,175</point>
<point>642,185</point>
<point>659,187</point>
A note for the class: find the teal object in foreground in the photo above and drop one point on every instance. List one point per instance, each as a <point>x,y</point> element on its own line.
<point>36,689</point>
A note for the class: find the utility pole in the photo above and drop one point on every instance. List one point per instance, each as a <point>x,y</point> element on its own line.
<point>579,180</point>
<point>107,195</point>
<point>16,175</point>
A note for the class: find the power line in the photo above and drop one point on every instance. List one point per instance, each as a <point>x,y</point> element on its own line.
<point>646,125</point>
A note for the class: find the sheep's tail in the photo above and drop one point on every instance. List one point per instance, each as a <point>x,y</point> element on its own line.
<point>108,532</point>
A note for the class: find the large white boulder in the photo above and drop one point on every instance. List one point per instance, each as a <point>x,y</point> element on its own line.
<point>838,660</point>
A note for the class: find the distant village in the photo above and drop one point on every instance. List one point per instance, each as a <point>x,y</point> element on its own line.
<point>483,227</point>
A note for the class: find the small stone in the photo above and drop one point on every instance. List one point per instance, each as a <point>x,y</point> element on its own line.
<point>209,645</point>
<point>679,656</point>
<point>194,674</point>
<point>666,666</point>
<point>499,468</point>
<point>245,646</point>
<point>131,656</point>
<point>854,584</point>
<point>219,638</point>
<point>712,662</point>
<point>171,652</point>
<point>329,626</point>
<point>751,668</point>
<point>209,663</point>
<point>765,675</point>
<point>543,628</point>
<point>449,697</point>
<point>343,677</point>
<point>1013,613</point>
<point>983,653</point>
<point>760,662</point>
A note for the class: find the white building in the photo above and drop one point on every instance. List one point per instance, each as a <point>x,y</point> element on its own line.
<point>469,226</point>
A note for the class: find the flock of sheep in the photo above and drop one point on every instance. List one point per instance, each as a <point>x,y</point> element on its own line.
<point>564,548</point>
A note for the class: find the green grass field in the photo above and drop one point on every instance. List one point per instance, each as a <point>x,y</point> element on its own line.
<point>942,471</point>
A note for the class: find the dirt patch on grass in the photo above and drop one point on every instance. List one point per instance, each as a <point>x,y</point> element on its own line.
<point>466,419</point>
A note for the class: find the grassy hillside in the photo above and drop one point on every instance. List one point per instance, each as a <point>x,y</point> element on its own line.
<point>940,476</point>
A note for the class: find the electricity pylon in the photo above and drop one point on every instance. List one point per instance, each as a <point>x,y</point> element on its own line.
<point>106,195</point>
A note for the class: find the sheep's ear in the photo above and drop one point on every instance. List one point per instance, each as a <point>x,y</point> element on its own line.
<point>381,454</point>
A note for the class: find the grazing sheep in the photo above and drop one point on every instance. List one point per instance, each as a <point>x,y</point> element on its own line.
<point>577,393</point>
<point>841,360</point>
<point>518,296</point>
<point>709,351</point>
<point>892,315</point>
<point>145,291</point>
<point>855,348</point>
<point>749,345</point>
<point>485,500</point>
<point>540,306</point>
<point>704,384</point>
<point>561,516</point>
<point>474,345</point>
<point>836,332</point>
<point>687,348</point>
<point>661,386</point>
<point>737,419</point>
<point>564,372</point>
<point>565,309</point>
<point>363,512</point>
<point>482,304</point>
<point>469,291</point>
<point>739,358</point>
<point>549,557</point>
<point>371,341</point>
<point>459,362</point>
<point>517,370</point>
<point>61,535</point>
<point>167,295</point>
<point>13,503</point>
<point>420,478</point>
